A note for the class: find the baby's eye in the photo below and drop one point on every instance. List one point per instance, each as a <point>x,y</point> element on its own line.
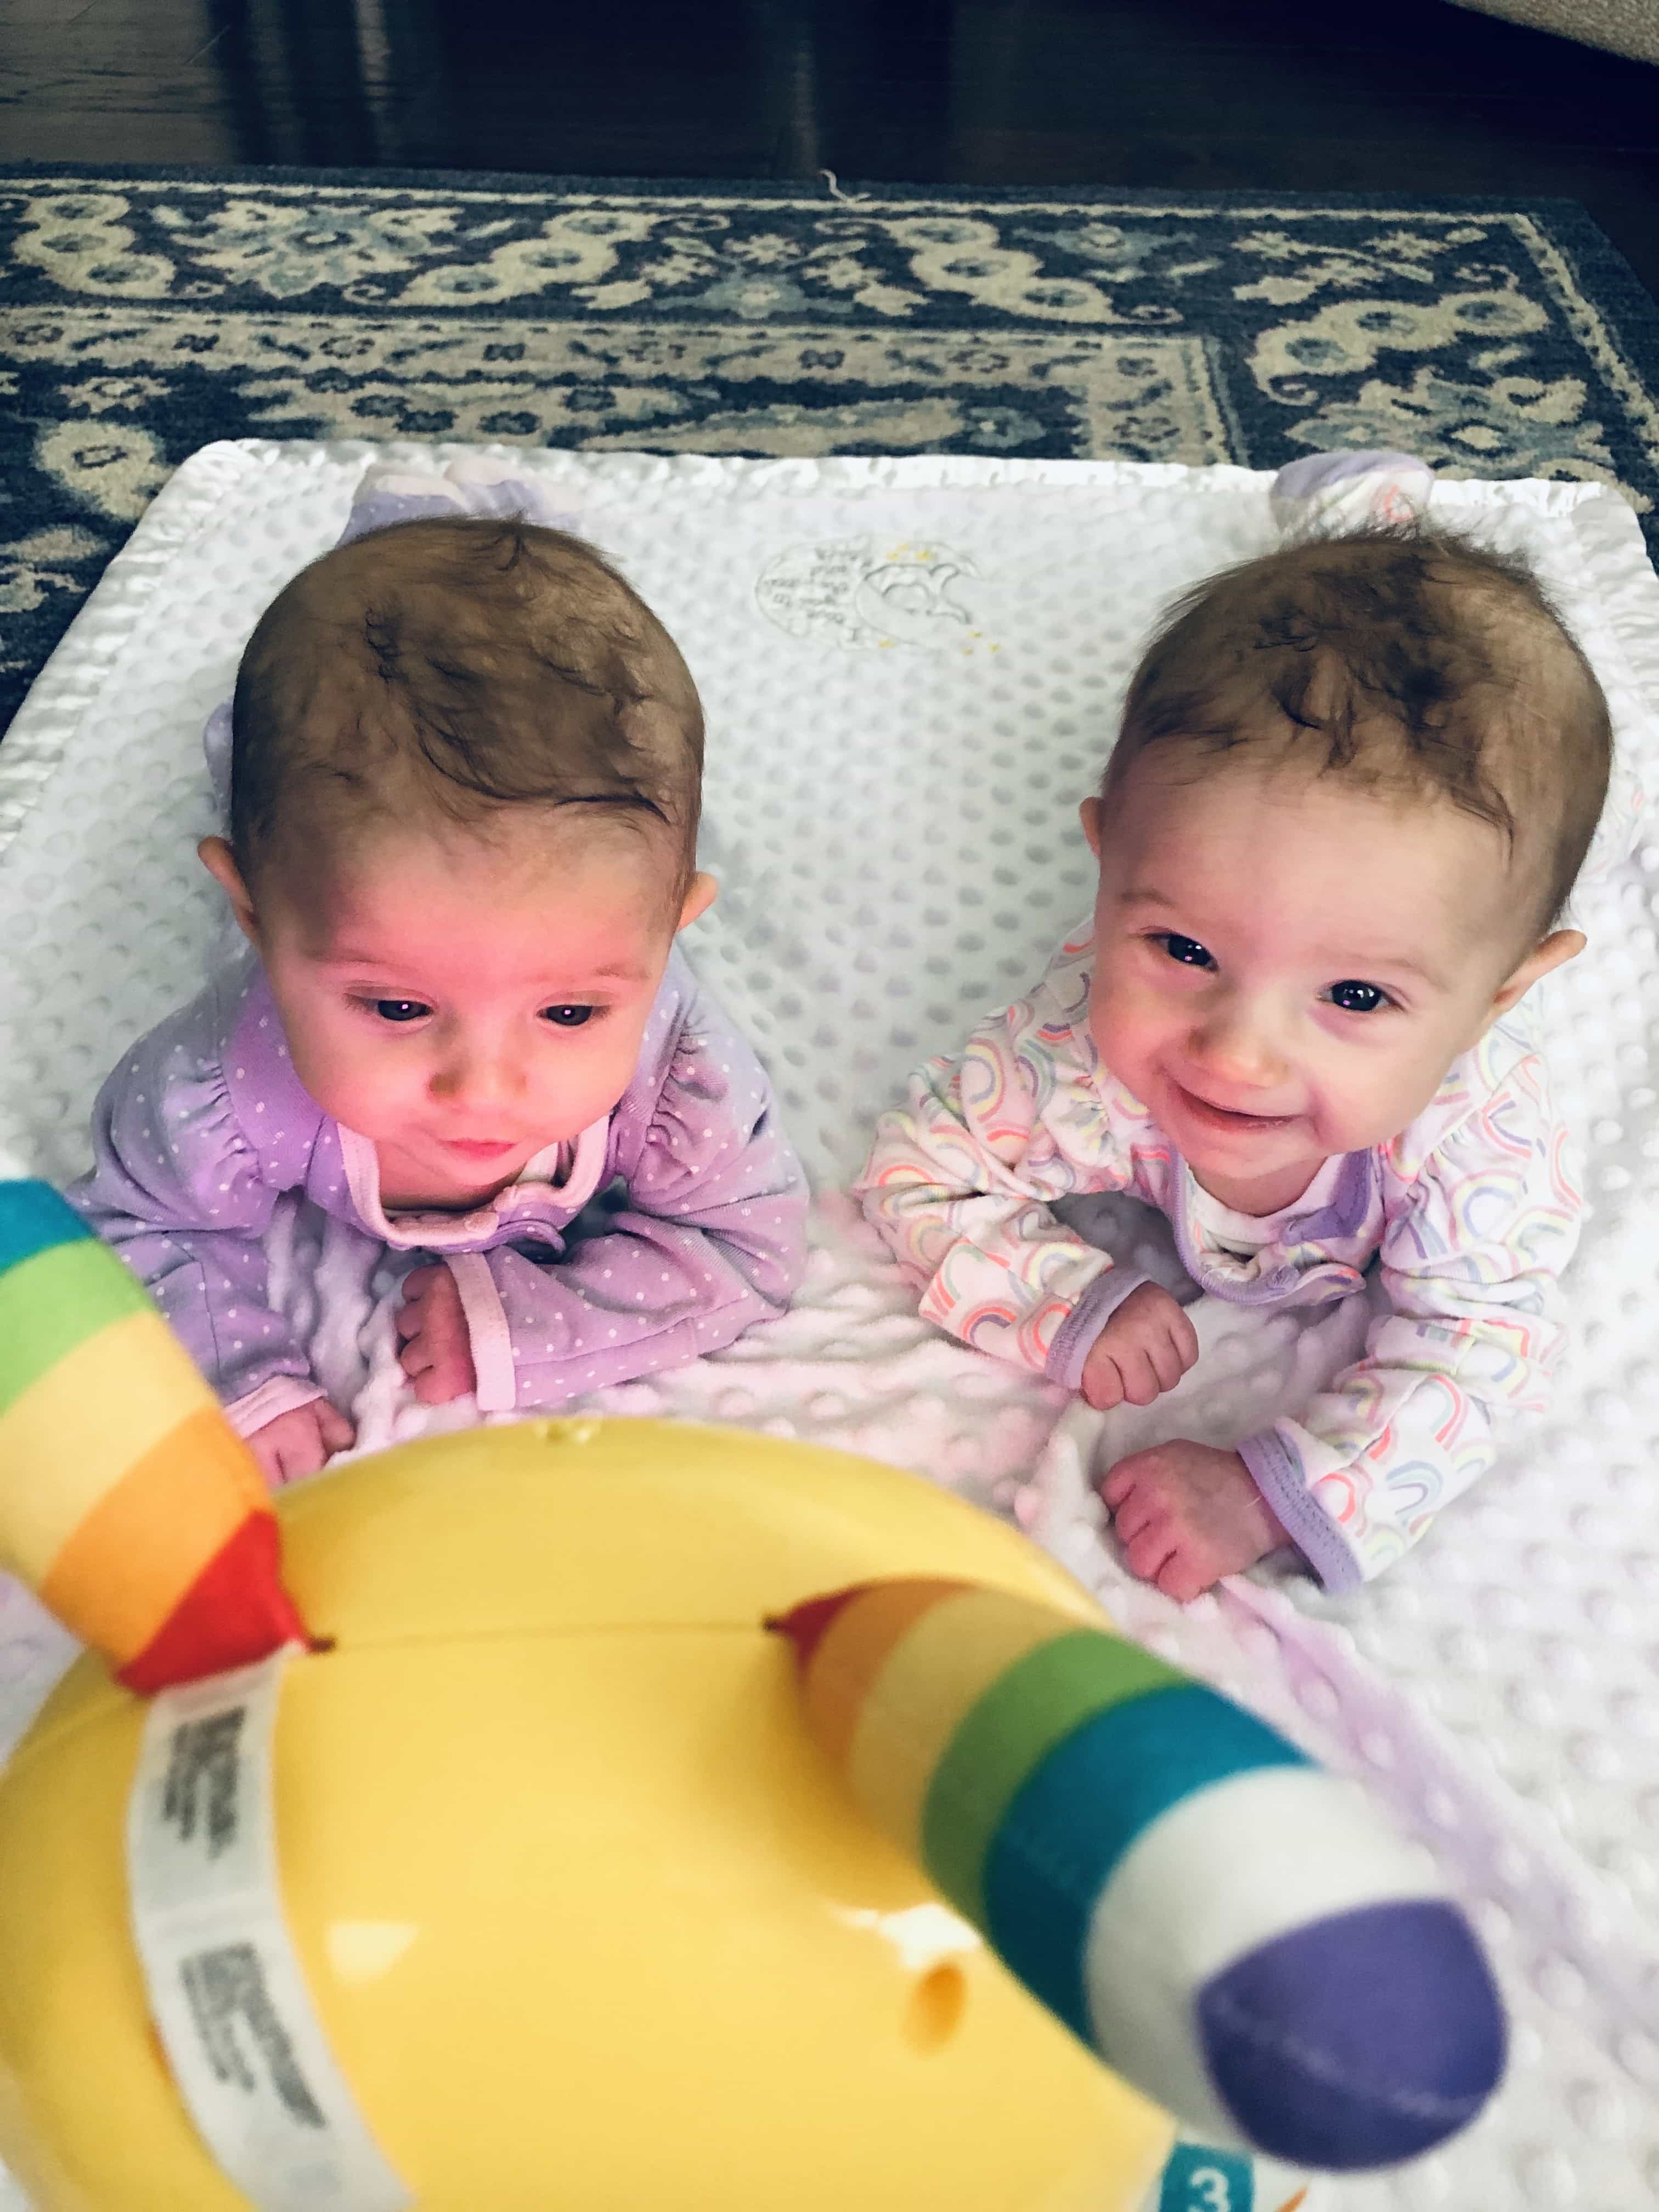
<point>567,1017</point>
<point>1186,950</point>
<point>400,1009</point>
<point>1358,998</point>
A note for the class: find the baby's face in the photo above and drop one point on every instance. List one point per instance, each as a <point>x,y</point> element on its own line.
<point>1287,966</point>
<point>464,1000</point>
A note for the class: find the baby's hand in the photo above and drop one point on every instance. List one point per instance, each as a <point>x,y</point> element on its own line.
<point>1187,1514</point>
<point>1146,1347</point>
<point>299,1440</point>
<point>437,1353</point>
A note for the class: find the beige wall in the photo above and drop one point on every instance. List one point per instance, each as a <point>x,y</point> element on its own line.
<point>1629,27</point>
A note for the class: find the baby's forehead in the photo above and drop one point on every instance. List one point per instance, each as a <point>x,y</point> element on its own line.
<point>530,848</point>
<point>433,887</point>
<point>1296,849</point>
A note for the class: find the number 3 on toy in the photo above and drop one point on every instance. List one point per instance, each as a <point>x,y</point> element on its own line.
<point>1208,2189</point>
<point>1201,2179</point>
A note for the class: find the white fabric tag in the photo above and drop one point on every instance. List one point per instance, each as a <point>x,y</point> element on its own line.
<point>246,2046</point>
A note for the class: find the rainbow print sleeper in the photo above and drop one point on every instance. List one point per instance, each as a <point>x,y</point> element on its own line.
<point>1224,1922</point>
<point>128,1503</point>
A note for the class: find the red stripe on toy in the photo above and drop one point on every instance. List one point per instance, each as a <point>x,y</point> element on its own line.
<point>805,1624</point>
<point>235,1612</point>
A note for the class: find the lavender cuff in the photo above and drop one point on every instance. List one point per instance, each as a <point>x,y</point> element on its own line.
<point>1275,1467</point>
<point>1075,1336</point>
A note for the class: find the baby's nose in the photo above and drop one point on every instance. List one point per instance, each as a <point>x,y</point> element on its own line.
<point>1241,1043</point>
<point>480,1074</point>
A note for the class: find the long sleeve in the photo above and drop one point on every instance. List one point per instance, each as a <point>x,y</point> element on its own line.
<point>1470,1265</point>
<point>178,1192</point>
<point>962,1180</point>
<point>706,1238</point>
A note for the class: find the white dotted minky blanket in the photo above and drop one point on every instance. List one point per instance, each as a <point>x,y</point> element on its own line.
<point>911,669</point>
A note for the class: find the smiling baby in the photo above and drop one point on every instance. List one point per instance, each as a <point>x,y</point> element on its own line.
<point>1355,781</point>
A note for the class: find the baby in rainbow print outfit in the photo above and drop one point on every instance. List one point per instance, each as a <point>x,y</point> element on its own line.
<point>1354,784</point>
<point>465,778</point>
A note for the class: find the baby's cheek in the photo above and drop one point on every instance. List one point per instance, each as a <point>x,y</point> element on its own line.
<point>1364,1106</point>
<point>1123,1027</point>
<point>345,1082</point>
<point>589,1086</point>
<point>365,1090</point>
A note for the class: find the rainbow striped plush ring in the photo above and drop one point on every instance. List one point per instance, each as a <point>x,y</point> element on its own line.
<point>1229,1926</point>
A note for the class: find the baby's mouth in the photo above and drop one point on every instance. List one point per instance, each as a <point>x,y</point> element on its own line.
<point>1228,1117</point>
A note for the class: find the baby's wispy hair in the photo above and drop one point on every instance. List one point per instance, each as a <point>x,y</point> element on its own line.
<point>1410,658</point>
<point>461,665</point>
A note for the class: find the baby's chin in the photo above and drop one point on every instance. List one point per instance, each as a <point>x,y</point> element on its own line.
<point>415,1175</point>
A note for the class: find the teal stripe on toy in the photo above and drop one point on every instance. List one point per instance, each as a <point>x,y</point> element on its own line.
<point>1079,1813</point>
<point>1004,1739</point>
<point>33,1218</point>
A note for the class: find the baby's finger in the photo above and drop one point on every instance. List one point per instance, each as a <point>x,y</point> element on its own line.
<point>1134,1514</point>
<point>416,1357</point>
<point>1182,1577</point>
<point>1185,1340</point>
<point>1140,1383</point>
<point>415,1285</point>
<point>1118,1481</point>
<point>1146,1555</point>
<point>337,1432</point>
<point>1105,1387</point>
<point>1165,1361</point>
<point>295,1460</point>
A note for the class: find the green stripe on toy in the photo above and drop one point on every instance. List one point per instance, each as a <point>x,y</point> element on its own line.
<point>50,1301</point>
<point>1008,1735</point>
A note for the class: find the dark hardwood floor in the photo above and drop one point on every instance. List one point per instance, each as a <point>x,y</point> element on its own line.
<point>1306,96</point>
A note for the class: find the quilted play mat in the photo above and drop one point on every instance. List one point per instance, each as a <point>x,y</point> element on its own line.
<point>911,669</point>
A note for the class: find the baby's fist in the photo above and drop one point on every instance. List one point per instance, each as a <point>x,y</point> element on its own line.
<point>299,1440</point>
<point>1187,1514</point>
<point>437,1353</point>
<point>1146,1347</point>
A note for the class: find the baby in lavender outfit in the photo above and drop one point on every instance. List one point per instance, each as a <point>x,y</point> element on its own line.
<point>466,777</point>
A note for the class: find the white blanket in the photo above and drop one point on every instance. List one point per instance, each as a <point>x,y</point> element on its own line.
<point>912,668</point>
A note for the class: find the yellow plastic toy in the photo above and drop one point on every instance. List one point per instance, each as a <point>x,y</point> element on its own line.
<point>590,1923</point>
<point>555,1841</point>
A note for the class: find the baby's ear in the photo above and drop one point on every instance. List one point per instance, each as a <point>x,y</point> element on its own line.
<point>220,862</point>
<point>1552,952</point>
<point>698,899</point>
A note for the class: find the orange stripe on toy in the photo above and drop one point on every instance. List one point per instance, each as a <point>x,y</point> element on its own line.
<point>853,1649</point>
<point>76,1431</point>
<point>127,1567</point>
<point>126,1500</point>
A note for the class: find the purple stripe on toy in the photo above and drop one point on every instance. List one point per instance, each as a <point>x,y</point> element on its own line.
<point>1400,2035</point>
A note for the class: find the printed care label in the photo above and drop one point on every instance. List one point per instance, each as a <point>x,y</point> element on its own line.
<point>246,2046</point>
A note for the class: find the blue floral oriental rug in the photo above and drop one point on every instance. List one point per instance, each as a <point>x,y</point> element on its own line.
<point>145,313</point>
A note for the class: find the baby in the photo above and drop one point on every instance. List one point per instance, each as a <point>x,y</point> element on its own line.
<point>1354,784</point>
<point>465,775</point>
